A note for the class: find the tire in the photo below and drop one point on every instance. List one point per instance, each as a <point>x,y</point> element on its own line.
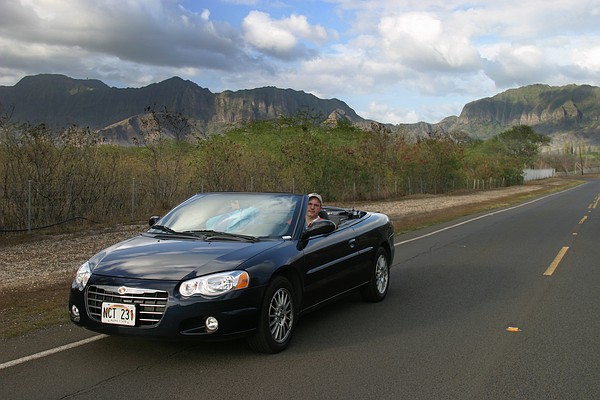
<point>277,318</point>
<point>378,285</point>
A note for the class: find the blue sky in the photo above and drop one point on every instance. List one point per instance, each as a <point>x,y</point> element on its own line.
<point>394,61</point>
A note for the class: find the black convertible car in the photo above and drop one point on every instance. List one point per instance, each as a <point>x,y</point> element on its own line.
<point>225,265</point>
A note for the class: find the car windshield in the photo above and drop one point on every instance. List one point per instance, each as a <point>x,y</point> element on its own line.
<point>244,214</point>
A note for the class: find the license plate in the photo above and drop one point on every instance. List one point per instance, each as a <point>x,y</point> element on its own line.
<point>118,314</point>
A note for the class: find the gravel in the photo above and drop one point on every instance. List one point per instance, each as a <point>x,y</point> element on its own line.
<point>428,203</point>
<point>53,257</point>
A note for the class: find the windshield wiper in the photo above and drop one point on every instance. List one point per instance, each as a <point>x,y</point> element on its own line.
<point>210,234</point>
<point>172,232</point>
<point>163,228</point>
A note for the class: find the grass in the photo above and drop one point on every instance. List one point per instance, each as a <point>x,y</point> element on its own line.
<point>22,311</point>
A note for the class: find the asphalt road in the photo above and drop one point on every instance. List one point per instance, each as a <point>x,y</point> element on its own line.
<point>481,308</point>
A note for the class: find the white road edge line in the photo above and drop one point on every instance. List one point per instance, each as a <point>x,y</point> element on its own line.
<point>55,350</point>
<point>479,217</point>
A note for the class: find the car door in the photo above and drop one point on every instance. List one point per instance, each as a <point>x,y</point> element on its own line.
<point>330,265</point>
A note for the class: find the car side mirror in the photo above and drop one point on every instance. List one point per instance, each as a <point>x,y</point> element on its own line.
<point>319,227</point>
<point>153,220</point>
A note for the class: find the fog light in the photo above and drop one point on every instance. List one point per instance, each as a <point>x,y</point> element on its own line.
<point>75,313</point>
<point>211,324</point>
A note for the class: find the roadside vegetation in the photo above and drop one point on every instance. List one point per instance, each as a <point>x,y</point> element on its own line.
<point>49,177</point>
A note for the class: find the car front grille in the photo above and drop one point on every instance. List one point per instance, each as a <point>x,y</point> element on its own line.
<point>151,303</point>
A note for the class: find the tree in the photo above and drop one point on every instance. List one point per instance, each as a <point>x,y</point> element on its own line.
<point>523,143</point>
<point>164,135</point>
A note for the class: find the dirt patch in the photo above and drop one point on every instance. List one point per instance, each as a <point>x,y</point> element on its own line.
<point>430,203</point>
<point>41,259</point>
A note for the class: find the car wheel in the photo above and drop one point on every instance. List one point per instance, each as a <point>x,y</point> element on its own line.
<point>378,285</point>
<point>277,318</point>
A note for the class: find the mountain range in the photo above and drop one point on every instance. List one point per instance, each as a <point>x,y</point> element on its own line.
<point>568,113</point>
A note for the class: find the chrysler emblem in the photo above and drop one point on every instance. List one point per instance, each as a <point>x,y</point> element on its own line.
<point>122,290</point>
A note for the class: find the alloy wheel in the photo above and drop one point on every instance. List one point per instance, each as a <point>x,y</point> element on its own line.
<point>381,274</point>
<point>281,315</point>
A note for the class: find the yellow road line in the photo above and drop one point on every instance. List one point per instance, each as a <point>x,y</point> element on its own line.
<point>556,261</point>
<point>582,220</point>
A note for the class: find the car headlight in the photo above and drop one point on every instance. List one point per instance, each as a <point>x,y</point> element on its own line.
<point>215,284</point>
<point>82,276</point>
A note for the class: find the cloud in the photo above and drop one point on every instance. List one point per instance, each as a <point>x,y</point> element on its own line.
<point>413,51</point>
<point>420,40</point>
<point>148,33</point>
<point>588,58</point>
<point>281,38</point>
<point>419,57</point>
<point>515,65</point>
<point>383,112</point>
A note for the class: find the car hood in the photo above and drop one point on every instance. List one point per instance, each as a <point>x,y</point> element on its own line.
<point>149,257</point>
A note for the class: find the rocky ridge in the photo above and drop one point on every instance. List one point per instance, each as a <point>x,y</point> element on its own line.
<point>568,113</point>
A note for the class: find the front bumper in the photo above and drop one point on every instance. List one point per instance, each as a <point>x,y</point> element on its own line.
<point>236,312</point>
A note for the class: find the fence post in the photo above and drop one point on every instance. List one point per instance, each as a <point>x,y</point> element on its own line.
<point>132,197</point>
<point>29,206</point>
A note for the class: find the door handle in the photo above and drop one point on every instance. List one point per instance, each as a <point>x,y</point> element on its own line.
<point>352,243</point>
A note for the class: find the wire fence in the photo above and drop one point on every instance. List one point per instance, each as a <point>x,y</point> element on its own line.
<point>32,207</point>
<point>578,170</point>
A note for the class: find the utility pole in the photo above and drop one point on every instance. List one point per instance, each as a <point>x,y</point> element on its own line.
<point>580,159</point>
